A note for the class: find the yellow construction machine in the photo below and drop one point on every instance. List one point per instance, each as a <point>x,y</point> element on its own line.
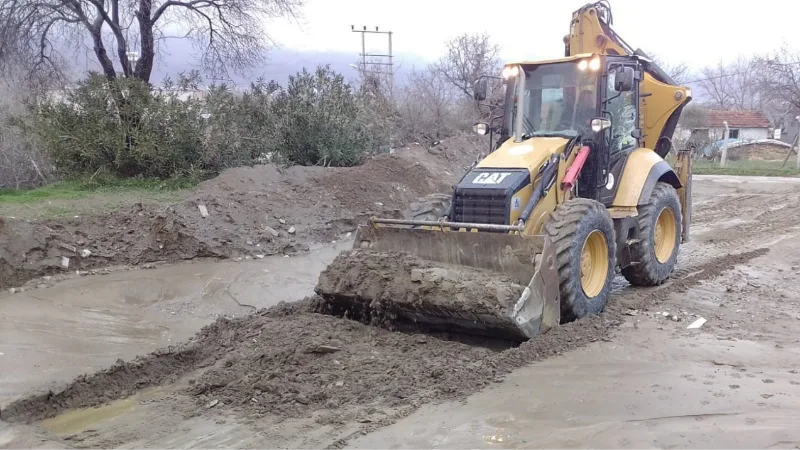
<point>574,187</point>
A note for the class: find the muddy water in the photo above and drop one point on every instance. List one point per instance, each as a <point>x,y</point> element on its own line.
<point>645,390</point>
<point>81,325</point>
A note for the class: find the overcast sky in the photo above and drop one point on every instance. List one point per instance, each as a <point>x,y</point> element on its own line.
<point>697,32</point>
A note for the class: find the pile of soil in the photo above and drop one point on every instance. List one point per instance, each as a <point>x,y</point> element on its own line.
<point>252,212</point>
<point>290,361</point>
<point>759,152</point>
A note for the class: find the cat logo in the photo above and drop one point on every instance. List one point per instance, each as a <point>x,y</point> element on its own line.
<point>490,178</point>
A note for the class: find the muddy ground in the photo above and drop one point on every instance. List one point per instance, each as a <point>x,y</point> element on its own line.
<point>290,377</point>
<point>251,213</point>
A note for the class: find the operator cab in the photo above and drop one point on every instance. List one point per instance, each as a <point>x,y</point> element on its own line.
<point>590,100</point>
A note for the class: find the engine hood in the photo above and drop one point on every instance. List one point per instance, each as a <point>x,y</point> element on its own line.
<point>529,154</point>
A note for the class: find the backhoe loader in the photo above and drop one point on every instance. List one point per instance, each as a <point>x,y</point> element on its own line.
<point>575,186</point>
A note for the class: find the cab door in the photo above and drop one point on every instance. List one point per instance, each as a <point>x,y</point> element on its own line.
<point>622,108</point>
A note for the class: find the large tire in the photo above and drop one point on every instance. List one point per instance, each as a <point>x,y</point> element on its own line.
<point>659,239</point>
<point>431,207</point>
<point>583,233</point>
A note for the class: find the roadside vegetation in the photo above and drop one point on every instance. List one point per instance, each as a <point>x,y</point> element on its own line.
<point>746,168</point>
<point>117,129</point>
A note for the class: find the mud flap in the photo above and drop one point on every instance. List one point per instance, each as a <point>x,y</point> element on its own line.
<point>530,260</point>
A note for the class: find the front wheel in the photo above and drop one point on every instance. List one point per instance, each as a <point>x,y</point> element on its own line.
<point>583,233</point>
<point>655,254</point>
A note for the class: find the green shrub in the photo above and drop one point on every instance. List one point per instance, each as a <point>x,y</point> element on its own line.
<point>318,117</point>
<point>124,128</point>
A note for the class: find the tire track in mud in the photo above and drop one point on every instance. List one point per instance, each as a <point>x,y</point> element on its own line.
<point>776,216</point>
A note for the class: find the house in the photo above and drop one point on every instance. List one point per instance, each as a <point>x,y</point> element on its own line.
<point>743,125</point>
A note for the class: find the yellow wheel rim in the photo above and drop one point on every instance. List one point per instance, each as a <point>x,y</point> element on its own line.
<point>664,235</point>
<point>594,263</point>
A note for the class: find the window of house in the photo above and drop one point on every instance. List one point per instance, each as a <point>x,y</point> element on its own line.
<point>734,134</point>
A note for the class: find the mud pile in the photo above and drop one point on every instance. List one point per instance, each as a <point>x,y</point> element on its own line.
<point>400,291</point>
<point>290,361</point>
<point>248,212</point>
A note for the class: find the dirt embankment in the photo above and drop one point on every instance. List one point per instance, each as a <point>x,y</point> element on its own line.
<point>252,212</point>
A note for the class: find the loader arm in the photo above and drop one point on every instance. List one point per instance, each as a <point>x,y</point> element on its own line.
<point>662,99</point>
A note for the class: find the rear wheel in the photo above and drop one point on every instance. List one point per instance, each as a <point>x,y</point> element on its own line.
<point>656,252</point>
<point>583,234</point>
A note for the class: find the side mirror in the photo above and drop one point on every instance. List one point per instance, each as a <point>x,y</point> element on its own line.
<point>623,79</point>
<point>600,124</point>
<point>479,89</point>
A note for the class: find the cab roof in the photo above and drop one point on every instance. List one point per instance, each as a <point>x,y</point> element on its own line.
<point>556,60</point>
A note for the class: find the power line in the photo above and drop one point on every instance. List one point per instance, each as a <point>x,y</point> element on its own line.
<point>735,73</point>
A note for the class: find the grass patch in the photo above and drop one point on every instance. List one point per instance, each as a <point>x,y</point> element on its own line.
<point>746,168</point>
<point>82,188</point>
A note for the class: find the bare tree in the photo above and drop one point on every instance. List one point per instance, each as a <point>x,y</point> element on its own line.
<point>23,163</point>
<point>428,105</point>
<point>679,72</point>
<point>780,81</point>
<point>229,32</point>
<point>468,57</point>
<point>733,86</point>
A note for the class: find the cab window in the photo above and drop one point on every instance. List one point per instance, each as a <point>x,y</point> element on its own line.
<point>624,119</point>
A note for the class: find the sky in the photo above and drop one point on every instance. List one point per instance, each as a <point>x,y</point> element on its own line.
<point>697,32</point>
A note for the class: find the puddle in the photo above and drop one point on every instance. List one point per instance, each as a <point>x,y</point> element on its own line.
<point>83,324</point>
<point>79,420</point>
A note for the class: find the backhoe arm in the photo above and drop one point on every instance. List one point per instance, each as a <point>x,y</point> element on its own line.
<point>662,99</point>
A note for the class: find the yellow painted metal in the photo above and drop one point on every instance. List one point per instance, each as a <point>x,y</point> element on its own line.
<point>529,154</point>
<point>664,235</point>
<point>658,100</point>
<point>542,210</point>
<point>634,176</point>
<point>586,35</point>
<point>520,198</point>
<point>594,263</point>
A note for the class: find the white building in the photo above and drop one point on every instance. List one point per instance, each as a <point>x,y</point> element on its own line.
<point>744,125</point>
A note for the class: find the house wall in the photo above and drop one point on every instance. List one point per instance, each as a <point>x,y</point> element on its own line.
<point>744,133</point>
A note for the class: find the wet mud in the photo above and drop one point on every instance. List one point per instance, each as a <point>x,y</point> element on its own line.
<point>250,212</point>
<point>292,363</point>
<point>402,292</point>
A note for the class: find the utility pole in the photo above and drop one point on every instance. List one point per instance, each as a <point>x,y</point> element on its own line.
<point>382,62</point>
<point>797,144</point>
<point>378,69</point>
<point>724,158</point>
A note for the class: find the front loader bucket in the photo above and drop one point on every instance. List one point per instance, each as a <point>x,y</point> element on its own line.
<point>489,284</point>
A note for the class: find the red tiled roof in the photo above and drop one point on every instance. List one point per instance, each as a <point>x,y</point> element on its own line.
<point>739,119</point>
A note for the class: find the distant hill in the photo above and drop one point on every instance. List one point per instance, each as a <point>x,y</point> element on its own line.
<point>179,57</point>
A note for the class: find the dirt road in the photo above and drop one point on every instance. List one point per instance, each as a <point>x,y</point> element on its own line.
<point>634,377</point>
